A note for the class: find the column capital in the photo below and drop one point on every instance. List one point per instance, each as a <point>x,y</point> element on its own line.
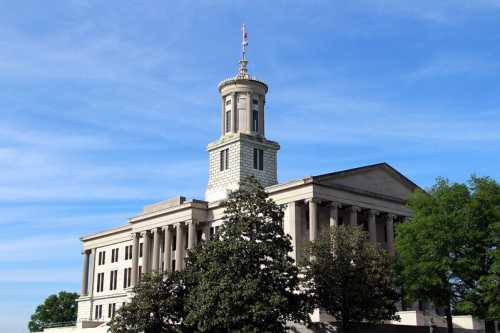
<point>166,227</point>
<point>315,200</point>
<point>391,217</point>
<point>86,252</point>
<point>145,233</point>
<point>334,204</point>
<point>193,221</point>
<point>373,212</point>
<point>157,229</point>
<point>354,209</point>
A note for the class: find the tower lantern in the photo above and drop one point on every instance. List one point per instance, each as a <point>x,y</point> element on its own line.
<point>242,150</point>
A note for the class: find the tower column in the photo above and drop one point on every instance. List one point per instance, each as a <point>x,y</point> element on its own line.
<point>372,225</point>
<point>135,258</point>
<point>223,116</point>
<point>261,115</point>
<point>234,110</point>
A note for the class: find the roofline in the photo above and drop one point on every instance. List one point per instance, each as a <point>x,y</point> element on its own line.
<point>402,177</point>
<point>108,232</point>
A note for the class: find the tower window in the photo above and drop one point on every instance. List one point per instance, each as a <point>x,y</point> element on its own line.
<point>224,159</point>
<point>255,120</point>
<point>258,159</point>
<point>228,121</point>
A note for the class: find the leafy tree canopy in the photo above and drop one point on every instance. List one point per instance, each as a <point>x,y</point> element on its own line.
<point>157,306</point>
<point>350,278</point>
<point>60,308</point>
<point>448,253</point>
<point>243,279</point>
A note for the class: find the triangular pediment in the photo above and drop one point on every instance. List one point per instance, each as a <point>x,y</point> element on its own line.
<point>379,179</point>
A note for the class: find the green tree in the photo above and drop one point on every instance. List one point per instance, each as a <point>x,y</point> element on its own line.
<point>243,280</point>
<point>350,278</point>
<point>60,308</point>
<point>479,257</point>
<point>156,307</point>
<point>447,253</point>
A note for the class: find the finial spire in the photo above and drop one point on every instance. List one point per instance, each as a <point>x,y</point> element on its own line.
<point>244,62</point>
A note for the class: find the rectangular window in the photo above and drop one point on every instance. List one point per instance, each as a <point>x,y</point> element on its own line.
<point>140,250</point>
<point>224,159</point>
<point>114,255</point>
<point>227,158</point>
<point>127,252</point>
<point>261,159</point>
<point>255,120</point>
<point>100,282</point>
<point>111,310</point>
<point>228,121</point>
<point>140,273</point>
<point>112,280</point>
<point>102,258</point>
<point>258,159</point>
<point>98,311</point>
<point>127,273</point>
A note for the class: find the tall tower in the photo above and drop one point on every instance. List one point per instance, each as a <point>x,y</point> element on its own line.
<point>242,149</point>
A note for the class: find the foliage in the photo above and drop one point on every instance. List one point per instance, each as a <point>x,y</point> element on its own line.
<point>60,308</point>
<point>448,253</point>
<point>156,307</point>
<point>350,278</point>
<point>242,280</point>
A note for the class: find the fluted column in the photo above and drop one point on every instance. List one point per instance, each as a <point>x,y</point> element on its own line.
<point>179,247</point>
<point>334,213</point>
<point>313,218</point>
<point>390,233</point>
<point>372,225</point>
<point>192,234</point>
<point>167,249</point>
<point>156,250</point>
<point>135,258</point>
<point>85,276</point>
<point>353,215</point>
<point>146,252</point>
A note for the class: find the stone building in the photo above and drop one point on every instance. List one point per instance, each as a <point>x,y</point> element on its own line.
<point>373,197</point>
<point>156,239</point>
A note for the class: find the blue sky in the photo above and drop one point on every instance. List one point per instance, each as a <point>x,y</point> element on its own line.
<point>102,102</point>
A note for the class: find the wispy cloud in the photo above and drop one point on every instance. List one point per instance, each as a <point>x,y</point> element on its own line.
<point>453,65</point>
